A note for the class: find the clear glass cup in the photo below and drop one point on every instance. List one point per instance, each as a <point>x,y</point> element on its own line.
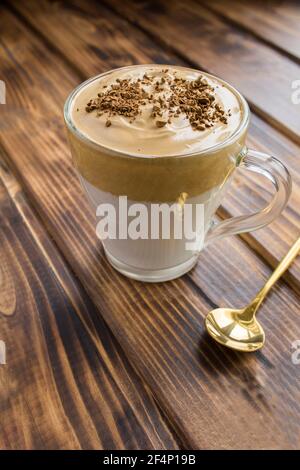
<point>193,178</point>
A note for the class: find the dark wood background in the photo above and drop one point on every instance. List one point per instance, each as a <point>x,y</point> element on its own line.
<point>95,360</point>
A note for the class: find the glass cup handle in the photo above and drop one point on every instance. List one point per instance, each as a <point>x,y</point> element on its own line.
<point>278,174</point>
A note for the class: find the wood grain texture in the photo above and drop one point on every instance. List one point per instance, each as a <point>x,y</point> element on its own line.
<point>273,21</point>
<point>263,75</point>
<point>123,44</point>
<point>213,398</point>
<point>66,383</point>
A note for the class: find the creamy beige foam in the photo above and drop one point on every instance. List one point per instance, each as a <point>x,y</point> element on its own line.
<point>142,136</point>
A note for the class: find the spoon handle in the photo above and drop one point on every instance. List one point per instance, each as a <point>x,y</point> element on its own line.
<point>281,268</point>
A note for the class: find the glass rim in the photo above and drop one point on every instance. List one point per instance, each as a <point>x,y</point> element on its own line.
<point>231,139</point>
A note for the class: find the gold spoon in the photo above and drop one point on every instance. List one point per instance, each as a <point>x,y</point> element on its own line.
<point>239,329</point>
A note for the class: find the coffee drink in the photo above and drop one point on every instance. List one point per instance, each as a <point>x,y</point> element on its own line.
<point>157,135</point>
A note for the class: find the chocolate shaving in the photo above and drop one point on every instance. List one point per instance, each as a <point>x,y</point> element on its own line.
<point>195,99</point>
<point>160,123</point>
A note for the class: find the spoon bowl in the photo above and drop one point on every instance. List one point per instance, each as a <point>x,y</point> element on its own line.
<point>231,328</point>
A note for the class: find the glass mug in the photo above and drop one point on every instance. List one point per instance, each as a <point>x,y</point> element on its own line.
<point>200,177</point>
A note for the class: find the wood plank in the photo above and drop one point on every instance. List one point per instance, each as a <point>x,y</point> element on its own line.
<point>213,398</point>
<point>276,23</point>
<point>66,383</point>
<point>122,44</point>
<point>262,75</point>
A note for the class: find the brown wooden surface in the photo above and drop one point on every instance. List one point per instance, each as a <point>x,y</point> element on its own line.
<point>67,383</point>
<point>208,397</point>
<point>275,22</point>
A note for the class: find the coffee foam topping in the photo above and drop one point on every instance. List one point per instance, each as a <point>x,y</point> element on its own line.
<point>156,110</point>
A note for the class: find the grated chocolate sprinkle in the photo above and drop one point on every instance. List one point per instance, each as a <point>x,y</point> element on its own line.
<point>194,99</point>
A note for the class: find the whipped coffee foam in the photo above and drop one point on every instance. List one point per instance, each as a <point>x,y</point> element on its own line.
<point>144,135</point>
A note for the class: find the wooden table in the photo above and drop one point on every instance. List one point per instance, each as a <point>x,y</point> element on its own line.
<point>94,360</point>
